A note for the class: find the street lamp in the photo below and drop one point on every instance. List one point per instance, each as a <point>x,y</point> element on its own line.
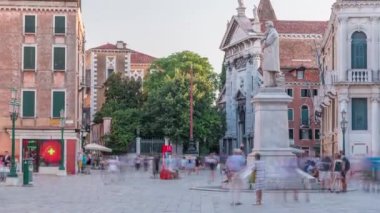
<point>343,125</point>
<point>62,125</point>
<point>14,106</point>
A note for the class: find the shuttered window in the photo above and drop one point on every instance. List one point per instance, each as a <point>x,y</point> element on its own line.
<point>305,116</point>
<point>59,24</point>
<point>59,58</point>
<point>30,24</point>
<point>29,58</point>
<point>359,50</point>
<point>28,103</point>
<point>359,114</point>
<point>58,103</point>
<point>290,114</point>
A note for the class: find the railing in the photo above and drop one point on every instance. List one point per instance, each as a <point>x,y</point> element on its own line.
<point>359,76</point>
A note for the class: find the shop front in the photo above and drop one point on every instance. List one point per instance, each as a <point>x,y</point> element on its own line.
<point>44,147</point>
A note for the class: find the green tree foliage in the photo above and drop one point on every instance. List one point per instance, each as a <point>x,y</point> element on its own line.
<point>124,99</point>
<point>166,112</point>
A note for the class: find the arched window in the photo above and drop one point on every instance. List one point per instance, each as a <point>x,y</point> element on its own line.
<point>305,116</point>
<point>359,50</point>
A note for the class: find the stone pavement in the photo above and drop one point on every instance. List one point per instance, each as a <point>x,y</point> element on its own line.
<point>141,194</point>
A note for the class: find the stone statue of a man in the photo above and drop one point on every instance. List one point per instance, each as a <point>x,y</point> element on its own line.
<point>271,55</point>
<point>241,3</point>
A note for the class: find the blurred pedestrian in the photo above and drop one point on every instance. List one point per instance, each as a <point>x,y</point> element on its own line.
<point>212,162</point>
<point>137,162</point>
<point>197,165</point>
<point>337,169</point>
<point>325,172</point>
<point>79,162</point>
<point>156,166</point>
<point>259,171</point>
<point>235,164</point>
<point>346,168</point>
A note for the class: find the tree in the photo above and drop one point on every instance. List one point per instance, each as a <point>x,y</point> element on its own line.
<point>166,111</point>
<point>124,99</point>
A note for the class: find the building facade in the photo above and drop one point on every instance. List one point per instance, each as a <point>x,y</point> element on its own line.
<point>350,92</point>
<point>299,76</point>
<point>42,56</point>
<point>241,44</point>
<point>106,59</point>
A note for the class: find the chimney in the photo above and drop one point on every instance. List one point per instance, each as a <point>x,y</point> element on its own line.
<point>121,45</point>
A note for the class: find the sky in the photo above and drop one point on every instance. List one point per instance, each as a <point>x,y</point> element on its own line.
<point>162,27</point>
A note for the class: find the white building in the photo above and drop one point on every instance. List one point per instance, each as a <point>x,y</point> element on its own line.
<point>241,44</point>
<point>350,88</point>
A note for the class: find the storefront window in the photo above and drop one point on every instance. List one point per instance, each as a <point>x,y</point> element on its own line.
<point>45,153</point>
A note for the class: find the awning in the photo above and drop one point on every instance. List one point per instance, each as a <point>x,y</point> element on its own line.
<point>96,147</point>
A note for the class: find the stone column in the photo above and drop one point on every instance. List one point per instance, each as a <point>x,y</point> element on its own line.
<point>373,50</point>
<point>342,50</point>
<point>375,125</point>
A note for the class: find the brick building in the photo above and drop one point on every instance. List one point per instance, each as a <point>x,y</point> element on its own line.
<point>103,60</point>
<point>42,56</point>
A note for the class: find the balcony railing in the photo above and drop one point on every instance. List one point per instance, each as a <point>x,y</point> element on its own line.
<point>359,76</point>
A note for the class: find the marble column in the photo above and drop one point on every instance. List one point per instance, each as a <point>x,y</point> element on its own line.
<point>375,126</point>
<point>342,50</point>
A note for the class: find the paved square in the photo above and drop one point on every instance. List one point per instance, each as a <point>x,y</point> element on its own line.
<point>140,193</point>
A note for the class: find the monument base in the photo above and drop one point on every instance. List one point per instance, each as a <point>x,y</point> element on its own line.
<point>272,140</point>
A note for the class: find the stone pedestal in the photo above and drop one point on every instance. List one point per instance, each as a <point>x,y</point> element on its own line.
<point>271,133</point>
<point>61,173</point>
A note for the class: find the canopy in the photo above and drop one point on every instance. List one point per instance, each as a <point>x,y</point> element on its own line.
<point>97,147</point>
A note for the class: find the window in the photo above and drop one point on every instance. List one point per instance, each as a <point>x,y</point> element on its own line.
<point>109,72</point>
<point>317,135</point>
<point>29,58</point>
<point>290,114</point>
<point>28,104</point>
<point>289,92</point>
<point>58,103</point>
<point>59,24</point>
<point>315,92</point>
<point>291,134</point>
<point>59,60</point>
<point>359,114</point>
<point>306,134</point>
<point>359,50</point>
<point>305,116</point>
<point>305,93</point>
<point>30,24</point>
<point>300,74</point>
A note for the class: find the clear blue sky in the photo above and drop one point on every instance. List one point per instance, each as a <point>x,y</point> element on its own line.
<point>162,27</point>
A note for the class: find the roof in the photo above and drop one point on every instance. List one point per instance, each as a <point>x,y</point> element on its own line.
<point>141,58</point>
<point>295,52</point>
<point>265,10</point>
<point>301,27</point>
<point>136,57</point>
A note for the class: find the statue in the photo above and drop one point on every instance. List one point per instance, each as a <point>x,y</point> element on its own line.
<point>271,55</point>
<point>241,4</point>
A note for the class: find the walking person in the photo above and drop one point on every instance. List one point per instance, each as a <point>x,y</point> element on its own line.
<point>337,169</point>
<point>259,171</point>
<point>137,162</point>
<point>156,166</point>
<point>212,162</point>
<point>235,164</point>
<point>6,159</point>
<point>79,162</point>
<point>197,165</point>
<point>346,168</point>
<point>325,172</point>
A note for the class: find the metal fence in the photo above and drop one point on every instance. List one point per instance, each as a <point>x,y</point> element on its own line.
<point>147,146</point>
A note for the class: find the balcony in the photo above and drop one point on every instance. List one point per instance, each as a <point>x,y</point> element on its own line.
<point>360,76</point>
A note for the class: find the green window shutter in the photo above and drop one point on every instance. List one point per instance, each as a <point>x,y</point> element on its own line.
<point>29,58</point>
<point>359,114</point>
<point>290,114</point>
<point>58,103</point>
<point>59,58</point>
<point>359,51</point>
<point>30,24</point>
<point>60,26</point>
<point>305,116</point>
<point>28,103</point>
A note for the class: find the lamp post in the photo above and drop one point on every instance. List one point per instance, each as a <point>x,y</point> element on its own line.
<point>62,125</point>
<point>14,107</point>
<point>343,125</point>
